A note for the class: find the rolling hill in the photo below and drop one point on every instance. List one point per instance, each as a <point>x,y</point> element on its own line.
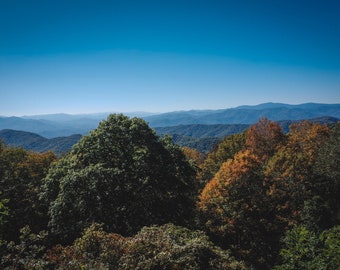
<point>37,143</point>
<point>200,137</point>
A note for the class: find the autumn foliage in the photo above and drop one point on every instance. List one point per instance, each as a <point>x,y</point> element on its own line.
<point>265,189</point>
<point>124,198</point>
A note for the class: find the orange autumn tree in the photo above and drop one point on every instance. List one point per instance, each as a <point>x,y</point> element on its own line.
<point>235,205</point>
<point>237,213</point>
<point>226,149</point>
<point>304,142</point>
<point>291,170</point>
<point>264,137</point>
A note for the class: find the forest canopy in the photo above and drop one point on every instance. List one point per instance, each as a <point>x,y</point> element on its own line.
<point>124,198</point>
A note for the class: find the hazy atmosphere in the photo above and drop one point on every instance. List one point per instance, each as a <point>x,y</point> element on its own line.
<point>158,56</point>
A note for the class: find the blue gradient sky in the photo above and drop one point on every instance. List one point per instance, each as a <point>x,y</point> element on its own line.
<point>85,56</point>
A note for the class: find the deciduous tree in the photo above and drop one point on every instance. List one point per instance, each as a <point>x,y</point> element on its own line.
<point>291,171</point>
<point>263,138</point>
<point>304,249</point>
<point>225,150</point>
<point>21,174</point>
<point>121,175</point>
<point>238,213</point>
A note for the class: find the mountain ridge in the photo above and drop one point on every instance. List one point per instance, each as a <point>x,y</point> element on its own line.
<point>34,142</point>
<point>58,125</point>
<point>200,137</point>
<point>246,114</point>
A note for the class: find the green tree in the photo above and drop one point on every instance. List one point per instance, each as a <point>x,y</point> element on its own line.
<point>327,181</point>
<point>304,249</point>
<point>121,175</point>
<point>95,249</point>
<point>174,247</point>
<point>28,253</point>
<point>330,251</point>
<point>21,174</point>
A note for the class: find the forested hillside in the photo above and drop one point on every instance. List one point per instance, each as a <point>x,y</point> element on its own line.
<point>37,143</point>
<point>126,198</point>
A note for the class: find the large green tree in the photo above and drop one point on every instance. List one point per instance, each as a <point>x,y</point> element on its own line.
<point>121,175</point>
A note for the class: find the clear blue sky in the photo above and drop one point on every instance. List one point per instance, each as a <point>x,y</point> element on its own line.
<point>82,56</point>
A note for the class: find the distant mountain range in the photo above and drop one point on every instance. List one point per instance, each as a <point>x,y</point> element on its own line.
<point>246,114</point>
<point>200,137</point>
<point>57,125</point>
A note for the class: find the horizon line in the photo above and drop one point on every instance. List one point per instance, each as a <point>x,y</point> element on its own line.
<point>149,113</point>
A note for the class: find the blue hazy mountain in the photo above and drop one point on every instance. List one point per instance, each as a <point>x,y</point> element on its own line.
<point>49,128</point>
<point>37,143</point>
<point>246,114</point>
<point>198,136</point>
<point>57,125</point>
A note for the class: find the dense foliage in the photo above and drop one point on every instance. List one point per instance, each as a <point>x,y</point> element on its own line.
<point>124,198</point>
<point>21,174</point>
<point>267,187</point>
<point>304,249</point>
<point>164,247</point>
<point>121,175</point>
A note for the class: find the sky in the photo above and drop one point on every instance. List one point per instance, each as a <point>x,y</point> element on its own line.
<point>88,56</point>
